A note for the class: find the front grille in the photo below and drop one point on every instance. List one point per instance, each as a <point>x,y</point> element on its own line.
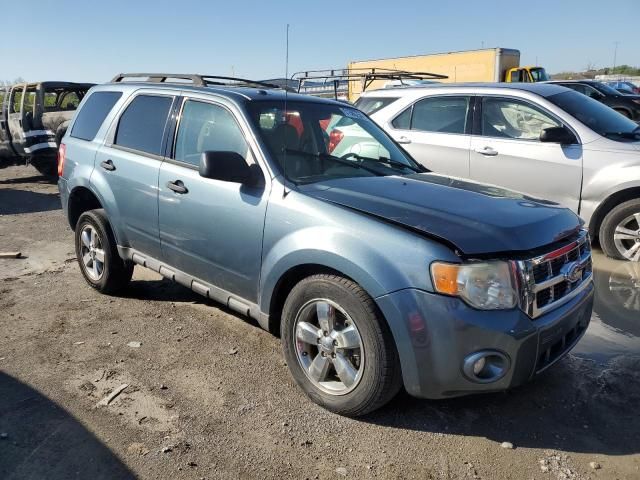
<point>553,278</point>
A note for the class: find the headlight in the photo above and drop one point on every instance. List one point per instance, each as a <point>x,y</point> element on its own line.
<point>483,285</point>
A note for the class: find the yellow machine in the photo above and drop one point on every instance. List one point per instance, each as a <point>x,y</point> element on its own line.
<point>526,74</point>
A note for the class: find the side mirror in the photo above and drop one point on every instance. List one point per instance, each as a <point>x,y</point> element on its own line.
<point>227,167</point>
<point>560,135</point>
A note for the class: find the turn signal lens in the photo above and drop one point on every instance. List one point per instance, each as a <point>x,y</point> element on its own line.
<point>445,278</point>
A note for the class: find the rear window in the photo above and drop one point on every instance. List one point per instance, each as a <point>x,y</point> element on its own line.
<point>370,105</point>
<point>141,126</point>
<point>92,114</point>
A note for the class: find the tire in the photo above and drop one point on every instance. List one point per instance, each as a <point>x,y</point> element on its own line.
<point>113,273</point>
<point>47,165</point>
<point>376,362</point>
<point>62,129</point>
<point>626,246</point>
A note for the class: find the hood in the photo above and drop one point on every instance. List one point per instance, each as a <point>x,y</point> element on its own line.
<point>474,218</point>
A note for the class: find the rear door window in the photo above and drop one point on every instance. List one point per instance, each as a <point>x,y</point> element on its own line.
<point>92,114</point>
<point>141,126</point>
<point>403,121</point>
<point>441,114</point>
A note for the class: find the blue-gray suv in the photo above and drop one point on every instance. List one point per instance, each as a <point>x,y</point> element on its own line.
<point>375,273</point>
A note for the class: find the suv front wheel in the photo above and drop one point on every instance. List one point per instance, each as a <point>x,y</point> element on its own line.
<point>97,254</point>
<point>338,346</point>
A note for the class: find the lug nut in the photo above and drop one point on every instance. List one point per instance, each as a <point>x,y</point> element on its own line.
<point>335,343</point>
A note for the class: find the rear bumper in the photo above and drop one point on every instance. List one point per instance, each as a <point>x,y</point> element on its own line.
<point>64,194</point>
<point>435,333</point>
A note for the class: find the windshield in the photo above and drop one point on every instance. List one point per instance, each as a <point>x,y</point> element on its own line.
<point>539,75</point>
<point>606,89</point>
<point>597,116</point>
<point>321,141</point>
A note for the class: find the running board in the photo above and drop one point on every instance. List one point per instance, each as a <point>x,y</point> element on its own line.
<point>233,302</point>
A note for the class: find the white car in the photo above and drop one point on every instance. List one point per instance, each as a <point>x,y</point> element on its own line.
<point>541,139</point>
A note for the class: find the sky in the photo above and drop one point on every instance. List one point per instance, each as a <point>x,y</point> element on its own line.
<point>84,40</point>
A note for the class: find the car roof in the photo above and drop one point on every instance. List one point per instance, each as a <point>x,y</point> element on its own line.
<point>542,88</point>
<point>239,94</point>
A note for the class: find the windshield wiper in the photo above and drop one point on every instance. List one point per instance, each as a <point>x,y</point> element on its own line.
<point>388,161</point>
<point>326,156</point>
<point>418,168</point>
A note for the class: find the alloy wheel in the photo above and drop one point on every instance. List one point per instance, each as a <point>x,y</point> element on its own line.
<point>627,237</point>
<point>329,347</point>
<point>92,253</point>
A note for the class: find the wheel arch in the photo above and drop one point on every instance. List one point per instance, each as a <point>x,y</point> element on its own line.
<point>285,284</point>
<point>81,199</point>
<point>608,204</point>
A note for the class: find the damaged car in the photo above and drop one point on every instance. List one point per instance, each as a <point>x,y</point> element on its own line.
<point>33,119</point>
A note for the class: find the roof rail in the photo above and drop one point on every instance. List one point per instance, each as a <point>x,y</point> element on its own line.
<point>195,78</point>
<point>366,76</point>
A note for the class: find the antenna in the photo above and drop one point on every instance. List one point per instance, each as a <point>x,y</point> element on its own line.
<point>284,137</point>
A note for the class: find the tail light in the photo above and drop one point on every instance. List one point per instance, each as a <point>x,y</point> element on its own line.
<point>62,151</point>
<point>334,139</point>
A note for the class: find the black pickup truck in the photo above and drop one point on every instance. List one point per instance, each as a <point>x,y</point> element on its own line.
<point>33,120</point>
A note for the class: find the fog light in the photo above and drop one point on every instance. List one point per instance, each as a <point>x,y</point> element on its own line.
<point>486,366</point>
<point>478,365</point>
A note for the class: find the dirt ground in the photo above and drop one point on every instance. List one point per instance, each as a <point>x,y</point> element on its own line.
<point>208,395</point>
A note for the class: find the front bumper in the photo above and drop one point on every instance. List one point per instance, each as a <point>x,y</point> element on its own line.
<point>435,333</point>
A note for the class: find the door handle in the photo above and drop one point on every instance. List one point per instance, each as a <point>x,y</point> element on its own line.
<point>108,165</point>
<point>403,140</point>
<point>177,187</point>
<point>487,151</point>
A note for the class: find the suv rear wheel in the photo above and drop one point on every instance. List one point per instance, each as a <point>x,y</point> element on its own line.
<point>338,347</point>
<point>97,254</point>
<point>620,231</point>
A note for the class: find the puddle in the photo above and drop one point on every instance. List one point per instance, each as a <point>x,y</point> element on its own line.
<point>615,325</point>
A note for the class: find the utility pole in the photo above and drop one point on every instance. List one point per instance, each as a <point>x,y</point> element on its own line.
<point>615,54</point>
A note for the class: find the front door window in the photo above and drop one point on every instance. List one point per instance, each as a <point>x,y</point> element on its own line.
<point>515,119</point>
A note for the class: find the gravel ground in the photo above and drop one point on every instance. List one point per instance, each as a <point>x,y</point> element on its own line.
<point>206,394</point>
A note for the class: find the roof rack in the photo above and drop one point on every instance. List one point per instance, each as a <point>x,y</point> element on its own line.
<point>366,76</point>
<point>195,78</point>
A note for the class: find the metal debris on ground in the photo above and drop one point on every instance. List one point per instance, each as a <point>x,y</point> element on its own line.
<point>134,344</point>
<point>109,398</point>
<point>10,254</point>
